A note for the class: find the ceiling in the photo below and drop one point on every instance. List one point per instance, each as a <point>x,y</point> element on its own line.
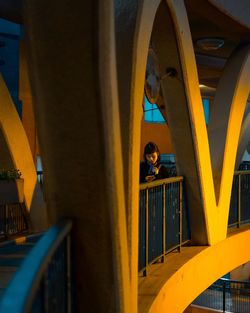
<point>11,10</point>
<point>206,21</point>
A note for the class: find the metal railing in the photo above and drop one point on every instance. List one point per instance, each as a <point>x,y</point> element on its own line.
<point>43,282</point>
<point>163,218</point>
<point>227,296</point>
<point>14,220</point>
<point>239,213</point>
<point>163,222</point>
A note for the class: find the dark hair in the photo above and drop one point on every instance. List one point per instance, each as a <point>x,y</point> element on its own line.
<point>151,147</point>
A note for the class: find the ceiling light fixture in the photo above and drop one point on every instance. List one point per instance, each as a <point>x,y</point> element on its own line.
<point>210,44</point>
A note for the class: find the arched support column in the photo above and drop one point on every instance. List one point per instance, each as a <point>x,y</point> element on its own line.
<point>178,115</point>
<point>73,78</point>
<point>216,213</point>
<point>230,84</point>
<point>134,22</point>
<point>16,153</point>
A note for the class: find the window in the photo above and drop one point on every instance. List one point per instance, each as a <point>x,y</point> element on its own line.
<point>206,104</point>
<point>151,113</point>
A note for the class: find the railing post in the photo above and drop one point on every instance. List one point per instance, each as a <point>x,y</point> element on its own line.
<point>239,202</point>
<point>69,278</point>
<point>5,208</point>
<point>224,296</point>
<point>180,230</point>
<point>46,291</point>
<point>164,224</point>
<point>146,218</point>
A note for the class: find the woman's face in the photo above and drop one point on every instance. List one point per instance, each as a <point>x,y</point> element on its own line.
<point>152,157</point>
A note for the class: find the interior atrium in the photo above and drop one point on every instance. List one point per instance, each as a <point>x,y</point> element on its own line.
<point>84,87</point>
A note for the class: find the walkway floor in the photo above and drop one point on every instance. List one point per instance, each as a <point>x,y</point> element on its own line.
<point>159,273</point>
<point>12,254</point>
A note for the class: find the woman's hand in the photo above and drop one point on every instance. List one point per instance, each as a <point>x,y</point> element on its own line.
<point>150,178</point>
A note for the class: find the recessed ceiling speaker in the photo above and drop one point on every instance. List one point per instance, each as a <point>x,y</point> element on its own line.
<point>210,44</point>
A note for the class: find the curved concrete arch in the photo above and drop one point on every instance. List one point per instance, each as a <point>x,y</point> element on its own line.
<point>230,89</point>
<point>165,39</point>
<point>236,84</point>
<point>17,150</point>
<point>196,274</point>
<point>134,23</point>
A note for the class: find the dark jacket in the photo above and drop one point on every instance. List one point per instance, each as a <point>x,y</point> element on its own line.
<point>146,170</point>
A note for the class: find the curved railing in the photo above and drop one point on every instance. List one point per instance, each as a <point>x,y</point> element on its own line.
<point>163,216</point>
<point>226,295</point>
<point>43,282</point>
<point>163,222</point>
<point>14,220</point>
<point>239,213</point>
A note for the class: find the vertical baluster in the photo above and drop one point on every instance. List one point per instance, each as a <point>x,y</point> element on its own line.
<point>46,290</point>
<point>180,205</point>
<point>7,219</point>
<point>68,281</point>
<point>1,219</point>
<point>239,201</point>
<point>224,296</point>
<point>164,224</point>
<point>146,218</point>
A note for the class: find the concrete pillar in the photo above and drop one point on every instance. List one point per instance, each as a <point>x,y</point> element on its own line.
<point>71,53</point>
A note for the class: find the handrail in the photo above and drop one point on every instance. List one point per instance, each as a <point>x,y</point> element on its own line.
<point>241,172</point>
<point>160,182</point>
<point>21,291</point>
<point>234,281</point>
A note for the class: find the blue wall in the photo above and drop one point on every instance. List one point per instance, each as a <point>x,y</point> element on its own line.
<point>9,59</point>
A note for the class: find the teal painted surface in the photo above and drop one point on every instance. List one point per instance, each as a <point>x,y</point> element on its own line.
<point>9,59</point>
<point>151,113</point>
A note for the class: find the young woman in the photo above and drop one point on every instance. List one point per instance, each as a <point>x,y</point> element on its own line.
<point>150,168</point>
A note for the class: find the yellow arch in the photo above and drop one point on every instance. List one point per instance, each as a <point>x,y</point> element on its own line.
<point>144,24</point>
<point>17,142</point>
<point>197,274</point>
<point>237,86</point>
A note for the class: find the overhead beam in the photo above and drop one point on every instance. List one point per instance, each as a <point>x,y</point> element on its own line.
<point>11,10</point>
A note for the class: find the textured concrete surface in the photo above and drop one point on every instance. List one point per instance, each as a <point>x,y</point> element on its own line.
<point>170,287</point>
